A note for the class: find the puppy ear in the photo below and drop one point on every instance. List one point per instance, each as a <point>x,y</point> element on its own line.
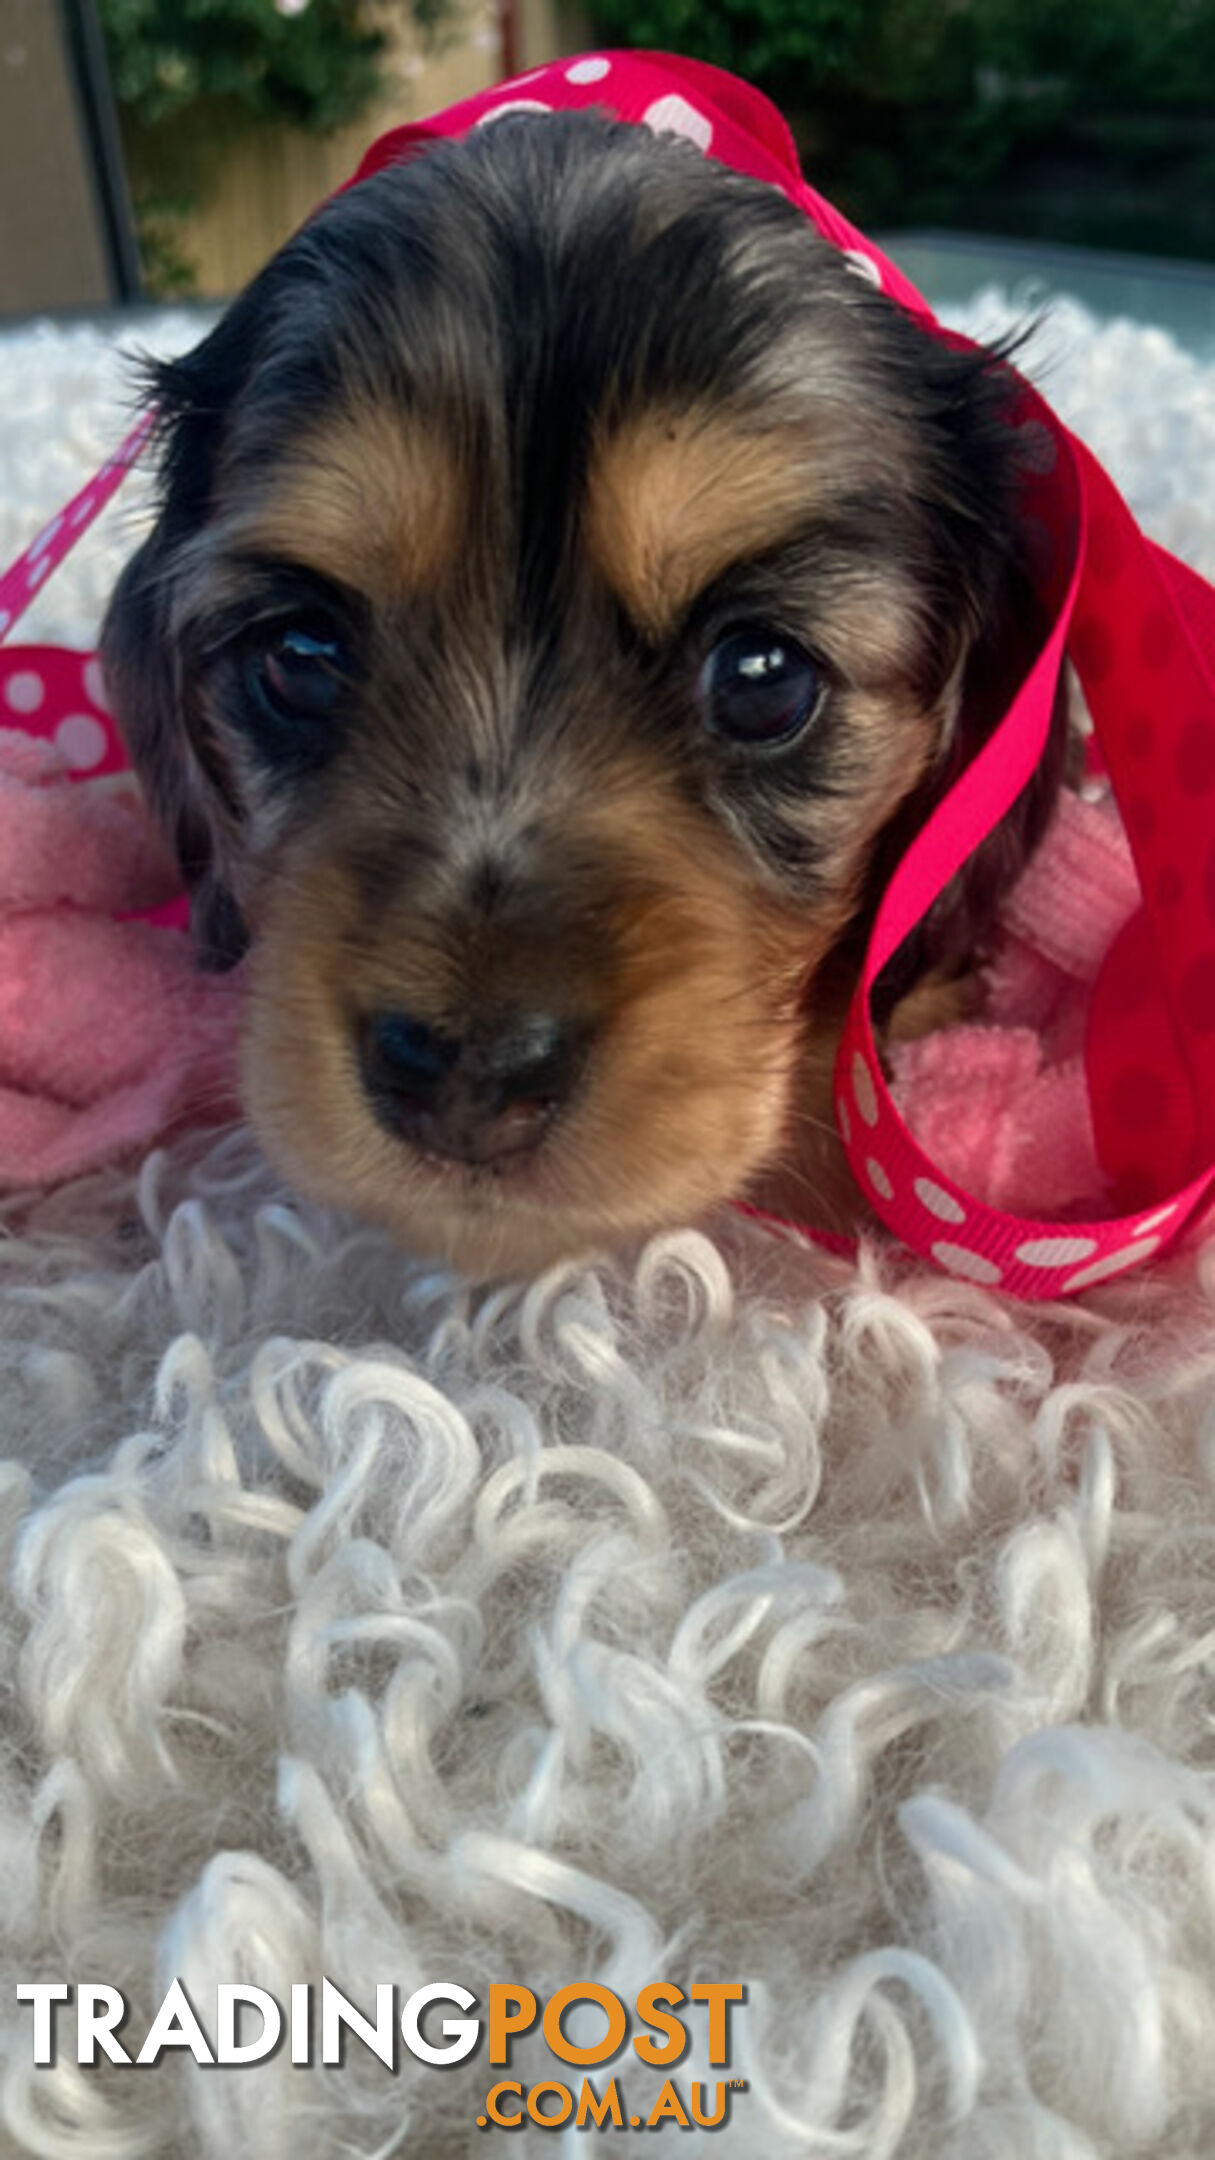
<point>994,626</point>
<point>149,698</point>
<point>157,712</point>
<point>960,928</point>
<point>964,920</point>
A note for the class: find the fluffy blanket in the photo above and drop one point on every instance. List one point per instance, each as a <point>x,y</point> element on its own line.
<point>720,1613</point>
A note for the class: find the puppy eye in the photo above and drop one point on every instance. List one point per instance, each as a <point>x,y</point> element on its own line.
<point>759,687</point>
<point>299,674</point>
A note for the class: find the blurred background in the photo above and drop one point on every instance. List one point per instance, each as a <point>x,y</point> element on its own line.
<point>163,148</point>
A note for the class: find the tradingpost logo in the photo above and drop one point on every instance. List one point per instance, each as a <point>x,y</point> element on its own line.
<point>319,2024</point>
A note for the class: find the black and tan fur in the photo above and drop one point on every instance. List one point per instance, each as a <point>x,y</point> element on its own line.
<point>526,426</point>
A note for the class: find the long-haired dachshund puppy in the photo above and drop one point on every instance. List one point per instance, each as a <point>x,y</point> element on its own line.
<point>572,585</point>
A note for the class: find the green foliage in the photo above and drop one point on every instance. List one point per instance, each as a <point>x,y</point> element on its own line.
<point>316,67</point>
<point>191,75</point>
<point>1082,119</point>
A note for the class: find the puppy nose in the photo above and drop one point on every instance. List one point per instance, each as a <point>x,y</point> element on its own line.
<point>409,1057</point>
<point>476,1099</point>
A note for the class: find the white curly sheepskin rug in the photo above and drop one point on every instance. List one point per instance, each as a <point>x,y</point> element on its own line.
<point>715,1614</point>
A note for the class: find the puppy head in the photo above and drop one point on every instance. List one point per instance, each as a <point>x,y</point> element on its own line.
<point>566,574</point>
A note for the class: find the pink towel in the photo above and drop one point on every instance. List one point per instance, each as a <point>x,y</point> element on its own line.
<point>109,1038</point>
<point>1002,1104</point>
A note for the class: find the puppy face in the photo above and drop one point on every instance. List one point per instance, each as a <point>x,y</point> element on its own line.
<point>565,586</point>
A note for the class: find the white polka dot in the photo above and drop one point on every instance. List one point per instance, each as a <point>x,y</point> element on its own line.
<point>1153,1222</point>
<point>24,692</point>
<point>1055,1251</point>
<point>843,1121</point>
<point>1112,1263</point>
<point>516,104</point>
<point>878,1179</point>
<point>674,116</point>
<point>83,741</point>
<point>863,266</point>
<point>938,1202</point>
<point>961,1261</point>
<point>46,536</point>
<point>862,1089</point>
<point>83,511</point>
<point>94,685</point>
<point>591,70</point>
<point>37,571</point>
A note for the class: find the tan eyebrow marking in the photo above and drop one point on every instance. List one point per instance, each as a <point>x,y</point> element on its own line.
<point>673,499</point>
<point>368,498</point>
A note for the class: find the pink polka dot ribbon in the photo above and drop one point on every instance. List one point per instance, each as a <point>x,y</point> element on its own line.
<point>45,690</point>
<point>1139,628</point>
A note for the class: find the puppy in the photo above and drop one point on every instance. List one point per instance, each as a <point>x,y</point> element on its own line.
<point>571,587</point>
